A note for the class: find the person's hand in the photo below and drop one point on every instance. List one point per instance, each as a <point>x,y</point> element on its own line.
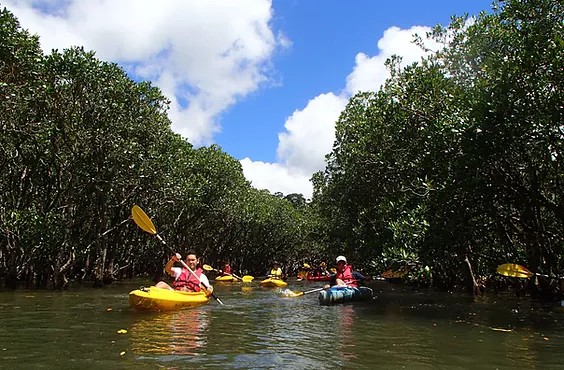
<point>208,290</point>
<point>177,257</point>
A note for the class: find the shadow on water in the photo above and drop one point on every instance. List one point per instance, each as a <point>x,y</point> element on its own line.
<point>261,328</point>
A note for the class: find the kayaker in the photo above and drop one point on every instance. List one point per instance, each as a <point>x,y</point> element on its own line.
<point>321,270</point>
<point>345,275</point>
<point>184,280</point>
<point>226,270</point>
<point>304,271</point>
<point>276,271</point>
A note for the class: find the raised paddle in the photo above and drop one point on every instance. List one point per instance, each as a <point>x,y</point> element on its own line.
<point>145,223</point>
<point>244,279</point>
<point>519,271</point>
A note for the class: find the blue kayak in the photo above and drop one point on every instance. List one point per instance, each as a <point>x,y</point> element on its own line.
<point>336,295</point>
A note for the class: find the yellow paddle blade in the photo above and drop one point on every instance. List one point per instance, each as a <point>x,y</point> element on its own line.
<point>208,268</point>
<point>248,278</point>
<point>293,293</point>
<point>290,293</point>
<point>514,270</point>
<point>142,220</point>
<point>296,294</point>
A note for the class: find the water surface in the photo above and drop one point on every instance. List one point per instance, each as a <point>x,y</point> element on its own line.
<point>260,328</point>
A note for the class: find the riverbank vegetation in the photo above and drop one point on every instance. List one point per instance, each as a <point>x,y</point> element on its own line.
<point>454,165</point>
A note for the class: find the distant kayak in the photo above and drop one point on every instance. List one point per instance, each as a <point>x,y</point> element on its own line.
<point>157,299</point>
<point>318,278</point>
<point>226,278</point>
<point>273,283</point>
<point>337,295</point>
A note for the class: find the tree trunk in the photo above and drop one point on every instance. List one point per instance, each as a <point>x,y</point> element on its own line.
<point>475,287</point>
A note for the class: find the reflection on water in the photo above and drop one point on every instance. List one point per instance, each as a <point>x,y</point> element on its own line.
<point>180,333</point>
<point>264,329</point>
<point>345,332</point>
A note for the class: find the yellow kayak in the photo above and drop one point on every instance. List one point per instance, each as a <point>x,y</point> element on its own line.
<point>273,283</point>
<point>226,278</point>
<point>157,299</point>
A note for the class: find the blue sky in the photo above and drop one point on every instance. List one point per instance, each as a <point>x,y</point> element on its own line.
<point>326,36</point>
<point>265,80</point>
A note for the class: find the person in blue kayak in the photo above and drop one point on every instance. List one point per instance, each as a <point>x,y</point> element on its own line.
<point>184,279</point>
<point>276,271</point>
<point>345,275</point>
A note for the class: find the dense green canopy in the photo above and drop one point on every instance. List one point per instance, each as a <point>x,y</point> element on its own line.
<point>455,162</point>
<point>459,155</point>
<point>81,143</point>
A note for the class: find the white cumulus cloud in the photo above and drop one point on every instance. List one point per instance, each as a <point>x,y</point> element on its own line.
<point>310,133</point>
<point>369,73</point>
<point>204,55</point>
<point>275,177</point>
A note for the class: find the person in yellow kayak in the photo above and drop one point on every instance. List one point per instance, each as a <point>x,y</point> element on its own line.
<point>226,269</point>
<point>304,271</point>
<point>321,270</point>
<point>345,275</point>
<point>276,271</point>
<point>184,279</point>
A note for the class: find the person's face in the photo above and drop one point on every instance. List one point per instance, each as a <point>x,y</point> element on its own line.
<point>341,265</point>
<point>192,261</point>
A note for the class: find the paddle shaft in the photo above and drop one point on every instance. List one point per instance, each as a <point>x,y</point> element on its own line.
<point>314,290</point>
<point>276,277</point>
<point>227,273</point>
<point>299,294</point>
<point>244,279</point>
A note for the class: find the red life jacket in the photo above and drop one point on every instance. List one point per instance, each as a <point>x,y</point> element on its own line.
<point>227,270</point>
<point>187,281</point>
<point>347,276</point>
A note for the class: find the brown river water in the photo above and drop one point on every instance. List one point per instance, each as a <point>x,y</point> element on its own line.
<point>260,328</point>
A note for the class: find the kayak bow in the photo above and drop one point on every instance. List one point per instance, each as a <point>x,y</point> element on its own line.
<point>158,299</point>
<point>273,283</point>
<point>338,294</point>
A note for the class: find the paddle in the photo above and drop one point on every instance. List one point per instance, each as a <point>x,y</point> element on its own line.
<point>270,276</point>
<point>519,271</point>
<point>265,277</point>
<point>145,223</point>
<point>245,279</point>
<point>295,294</point>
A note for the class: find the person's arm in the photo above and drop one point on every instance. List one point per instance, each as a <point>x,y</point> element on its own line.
<point>169,265</point>
<point>333,280</point>
<point>358,277</point>
<point>205,284</point>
